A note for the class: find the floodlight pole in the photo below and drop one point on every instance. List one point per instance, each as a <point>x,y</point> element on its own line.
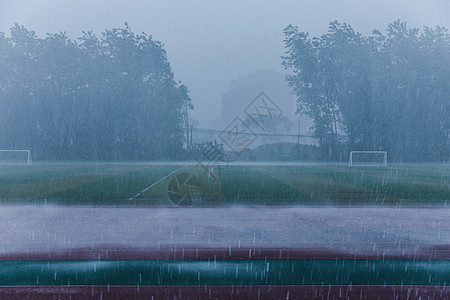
<point>298,139</point>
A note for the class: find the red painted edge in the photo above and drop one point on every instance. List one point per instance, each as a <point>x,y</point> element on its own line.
<point>115,252</point>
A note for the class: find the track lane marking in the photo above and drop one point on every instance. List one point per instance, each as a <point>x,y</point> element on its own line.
<point>152,185</point>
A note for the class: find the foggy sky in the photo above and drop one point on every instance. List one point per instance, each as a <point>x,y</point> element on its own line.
<point>211,42</point>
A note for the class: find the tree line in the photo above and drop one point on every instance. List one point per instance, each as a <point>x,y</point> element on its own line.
<point>387,92</point>
<point>107,98</point>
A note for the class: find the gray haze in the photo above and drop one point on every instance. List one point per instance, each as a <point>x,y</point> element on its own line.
<point>210,43</point>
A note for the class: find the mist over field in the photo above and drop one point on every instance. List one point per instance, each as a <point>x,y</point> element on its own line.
<point>115,98</point>
<point>224,149</point>
<point>211,43</point>
<point>161,80</point>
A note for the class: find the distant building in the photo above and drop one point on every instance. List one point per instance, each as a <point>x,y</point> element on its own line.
<point>245,88</point>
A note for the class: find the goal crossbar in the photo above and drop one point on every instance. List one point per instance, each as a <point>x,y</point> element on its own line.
<point>27,156</point>
<point>351,162</point>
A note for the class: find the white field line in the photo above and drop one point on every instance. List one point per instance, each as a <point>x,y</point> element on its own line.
<point>149,187</point>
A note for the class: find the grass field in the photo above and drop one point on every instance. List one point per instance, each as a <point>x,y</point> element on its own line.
<point>77,184</point>
<point>115,184</point>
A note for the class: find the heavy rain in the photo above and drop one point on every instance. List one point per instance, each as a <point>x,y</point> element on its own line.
<point>224,150</point>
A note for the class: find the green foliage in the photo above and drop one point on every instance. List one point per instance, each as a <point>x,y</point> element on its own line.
<point>108,98</point>
<point>381,92</point>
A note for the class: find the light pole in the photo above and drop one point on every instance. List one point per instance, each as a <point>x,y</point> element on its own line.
<point>298,139</point>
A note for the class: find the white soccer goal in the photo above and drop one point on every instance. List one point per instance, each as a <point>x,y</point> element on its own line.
<point>15,157</point>
<point>367,158</point>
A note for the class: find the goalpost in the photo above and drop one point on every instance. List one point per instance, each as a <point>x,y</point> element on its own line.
<point>15,157</point>
<point>367,158</point>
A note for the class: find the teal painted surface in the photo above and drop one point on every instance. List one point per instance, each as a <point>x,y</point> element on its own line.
<point>228,272</point>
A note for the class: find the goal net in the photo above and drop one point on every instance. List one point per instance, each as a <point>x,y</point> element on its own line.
<point>368,158</point>
<point>15,157</point>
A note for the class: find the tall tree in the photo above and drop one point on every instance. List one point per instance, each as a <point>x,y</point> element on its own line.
<point>374,93</point>
<point>113,97</point>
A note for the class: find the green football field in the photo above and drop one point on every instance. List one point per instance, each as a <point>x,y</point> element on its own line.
<point>194,185</point>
